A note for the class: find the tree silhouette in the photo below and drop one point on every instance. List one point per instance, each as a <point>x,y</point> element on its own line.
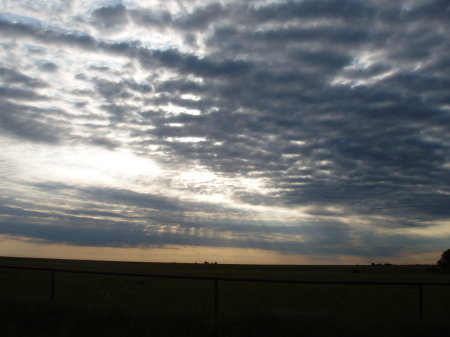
<point>444,262</point>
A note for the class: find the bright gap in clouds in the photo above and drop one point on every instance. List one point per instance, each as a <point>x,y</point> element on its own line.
<point>90,166</point>
<point>96,166</point>
<point>80,164</point>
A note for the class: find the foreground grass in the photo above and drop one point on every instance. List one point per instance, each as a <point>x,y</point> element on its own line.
<point>99,305</point>
<point>45,319</point>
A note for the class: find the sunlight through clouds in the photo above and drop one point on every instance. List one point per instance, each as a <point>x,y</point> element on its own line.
<point>315,129</point>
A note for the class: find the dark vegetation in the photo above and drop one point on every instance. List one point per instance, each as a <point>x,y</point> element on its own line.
<point>101,305</point>
<point>444,261</point>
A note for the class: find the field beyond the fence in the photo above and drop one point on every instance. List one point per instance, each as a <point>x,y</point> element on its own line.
<point>117,305</point>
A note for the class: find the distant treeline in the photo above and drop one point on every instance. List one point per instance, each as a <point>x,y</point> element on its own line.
<point>381,264</point>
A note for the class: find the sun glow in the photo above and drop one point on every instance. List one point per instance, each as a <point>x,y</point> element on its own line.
<point>83,165</point>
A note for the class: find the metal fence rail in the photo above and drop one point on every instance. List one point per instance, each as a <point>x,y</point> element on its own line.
<point>216,280</point>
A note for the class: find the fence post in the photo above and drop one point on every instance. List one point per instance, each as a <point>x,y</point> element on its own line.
<point>216,299</point>
<point>52,286</point>
<point>420,301</point>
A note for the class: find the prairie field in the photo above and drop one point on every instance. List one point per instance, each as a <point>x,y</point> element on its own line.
<point>111,305</point>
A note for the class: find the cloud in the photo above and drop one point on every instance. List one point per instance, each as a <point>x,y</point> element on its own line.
<point>11,76</point>
<point>47,66</point>
<point>123,218</point>
<point>201,17</point>
<point>28,122</point>
<point>333,110</point>
<point>145,17</point>
<point>134,199</point>
<point>310,9</point>
<point>110,17</point>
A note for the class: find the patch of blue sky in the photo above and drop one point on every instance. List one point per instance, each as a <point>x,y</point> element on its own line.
<point>37,24</point>
<point>95,5</point>
<point>33,5</point>
<point>106,62</point>
<point>15,18</point>
<point>5,45</point>
<point>151,44</point>
<point>34,48</point>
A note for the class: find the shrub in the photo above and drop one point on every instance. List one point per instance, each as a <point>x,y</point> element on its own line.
<point>444,262</point>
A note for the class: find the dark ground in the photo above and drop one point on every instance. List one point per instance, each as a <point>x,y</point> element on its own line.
<point>102,305</point>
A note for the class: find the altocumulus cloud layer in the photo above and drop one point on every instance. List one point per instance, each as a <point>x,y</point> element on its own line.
<point>305,127</point>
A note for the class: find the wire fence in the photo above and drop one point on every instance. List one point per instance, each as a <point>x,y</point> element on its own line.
<point>215,280</point>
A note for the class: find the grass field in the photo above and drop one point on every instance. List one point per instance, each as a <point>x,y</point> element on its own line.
<point>102,305</point>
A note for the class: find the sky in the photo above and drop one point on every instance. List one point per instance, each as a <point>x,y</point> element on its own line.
<point>296,132</point>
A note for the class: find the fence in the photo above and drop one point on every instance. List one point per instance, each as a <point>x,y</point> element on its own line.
<point>215,280</point>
